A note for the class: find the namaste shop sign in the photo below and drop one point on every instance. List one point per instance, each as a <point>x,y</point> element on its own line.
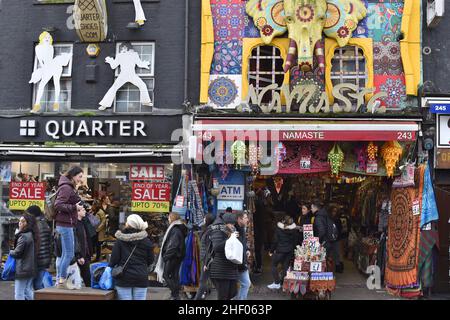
<point>312,100</point>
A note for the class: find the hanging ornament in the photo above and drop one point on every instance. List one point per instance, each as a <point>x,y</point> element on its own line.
<point>361,158</point>
<point>372,151</point>
<point>391,152</point>
<point>336,159</point>
<point>253,158</point>
<point>238,150</point>
<point>280,152</point>
<point>224,170</point>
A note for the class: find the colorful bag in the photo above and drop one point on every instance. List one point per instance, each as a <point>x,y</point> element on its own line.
<point>181,210</point>
<point>9,271</point>
<point>47,280</point>
<point>93,268</point>
<point>107,281</point>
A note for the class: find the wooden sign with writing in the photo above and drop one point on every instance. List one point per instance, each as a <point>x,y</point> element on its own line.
<point>443,158</point>
<point>91,20</point>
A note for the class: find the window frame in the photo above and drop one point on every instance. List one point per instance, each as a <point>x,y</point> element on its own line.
<point>366,45</point>
<point>144,77</point>
<point>248,44</point>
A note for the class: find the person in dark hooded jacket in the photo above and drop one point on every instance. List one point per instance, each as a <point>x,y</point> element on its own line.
<point>67,206</point>
<point>25,253</point>
<point>285,240</point>
<point>44,255</point>
<point>173,252</point>
<point>204,245</point>
<point>223,272</point>
<point>133,283</point>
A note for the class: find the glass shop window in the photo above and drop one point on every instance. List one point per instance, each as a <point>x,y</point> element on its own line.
<point>128,97</point>
<point>349,66</point>
<point>266,68</point>
<point>48,98</point>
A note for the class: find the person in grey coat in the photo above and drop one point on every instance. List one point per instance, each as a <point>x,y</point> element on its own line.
<point>25,254</point>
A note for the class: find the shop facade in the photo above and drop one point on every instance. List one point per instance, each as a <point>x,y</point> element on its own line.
<point>323,117</point>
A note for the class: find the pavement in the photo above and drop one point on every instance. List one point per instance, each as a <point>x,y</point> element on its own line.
<point>350,285</point>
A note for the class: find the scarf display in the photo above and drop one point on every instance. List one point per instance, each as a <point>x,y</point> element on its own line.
<point>159,269</point>
<point>251,231</point>
<point>404,236</point>
<point>428,240</point>
<point>190,268</point>
<point>429,208</point>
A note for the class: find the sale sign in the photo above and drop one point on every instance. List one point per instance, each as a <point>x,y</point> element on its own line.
<point>22,195</point>
<point>150,197</point>
<point>147,172</point>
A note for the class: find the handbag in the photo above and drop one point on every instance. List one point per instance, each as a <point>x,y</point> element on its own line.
<point>9,270</point>
<point>181,210</point>
<point>117,271</point>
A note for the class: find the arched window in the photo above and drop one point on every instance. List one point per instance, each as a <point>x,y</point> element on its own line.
<point>265,67</point>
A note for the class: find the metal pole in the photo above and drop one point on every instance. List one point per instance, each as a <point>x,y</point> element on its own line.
<point>186,50</point>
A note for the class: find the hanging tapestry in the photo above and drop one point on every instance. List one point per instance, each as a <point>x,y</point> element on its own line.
<point>314,156</point>
<point>404,235</point>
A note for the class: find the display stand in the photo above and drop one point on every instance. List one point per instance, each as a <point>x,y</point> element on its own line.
<point>82,294</point>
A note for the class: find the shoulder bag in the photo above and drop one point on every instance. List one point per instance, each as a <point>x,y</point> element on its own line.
<point>117,271</point>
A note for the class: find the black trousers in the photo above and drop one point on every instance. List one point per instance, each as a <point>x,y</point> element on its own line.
<point>280,258</point>
<point>258,253</point>
<point>85,273</point>
<point>226,289</point>
<point>172,277</point>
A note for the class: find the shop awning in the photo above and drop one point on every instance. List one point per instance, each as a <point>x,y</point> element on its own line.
<point>228,130</point>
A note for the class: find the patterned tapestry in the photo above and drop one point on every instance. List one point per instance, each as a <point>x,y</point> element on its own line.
<point>404,235</point>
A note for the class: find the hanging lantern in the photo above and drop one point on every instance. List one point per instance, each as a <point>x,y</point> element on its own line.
<point>372,151</point>
<point>361,158</point>
<point>391,152</point>
<point>280,152</point>
<point>253,156</point>
<point>336,159</point>
<point>238,150</point>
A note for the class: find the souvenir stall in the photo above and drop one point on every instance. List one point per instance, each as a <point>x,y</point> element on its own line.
<point>308,276</point>
<point>191,203</point>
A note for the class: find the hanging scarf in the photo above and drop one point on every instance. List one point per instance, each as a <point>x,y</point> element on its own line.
<point>186,276</point>
<point>159,269</point>
<point>429,208</point>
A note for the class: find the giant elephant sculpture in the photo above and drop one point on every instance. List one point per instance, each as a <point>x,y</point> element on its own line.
<point>306,21</point>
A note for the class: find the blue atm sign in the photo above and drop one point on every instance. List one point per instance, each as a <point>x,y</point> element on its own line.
<point>440,108</point>
<point>231,192</point>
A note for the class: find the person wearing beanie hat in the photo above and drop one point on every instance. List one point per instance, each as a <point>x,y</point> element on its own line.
<point>44,254</point>
<point>135,221</point>
<point>229,218</point>
<point>173,250</point>
<point>133,245</point>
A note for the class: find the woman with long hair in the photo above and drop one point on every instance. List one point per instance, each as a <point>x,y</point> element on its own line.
<point>25,252</point>
<point>67,205</point>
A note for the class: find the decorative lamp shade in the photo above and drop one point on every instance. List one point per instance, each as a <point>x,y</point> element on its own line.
<point>238,150</point>
<point>391,152</point>
<point>372,151</point>
<point>280,152</point>
<point>253,156</point>
<point>336,159</point>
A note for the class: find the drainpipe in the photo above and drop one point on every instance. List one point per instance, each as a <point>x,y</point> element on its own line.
<point>186,51</point>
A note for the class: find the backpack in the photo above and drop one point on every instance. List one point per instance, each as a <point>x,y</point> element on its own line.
<point>332,230</point>
<point>49,206</point>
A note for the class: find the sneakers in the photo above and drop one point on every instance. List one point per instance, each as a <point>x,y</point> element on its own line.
<point>274,286</point>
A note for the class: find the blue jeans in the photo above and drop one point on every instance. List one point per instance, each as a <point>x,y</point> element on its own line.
<point>131,293</point>
<point>245,283</point>
<point>37,282</point>
<point>68,251</point>
<point>23,289</point>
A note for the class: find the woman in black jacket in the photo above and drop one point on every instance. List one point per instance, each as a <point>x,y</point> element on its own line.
<point>44,255</point>
<point>285,240</point>
<point>223,272</point>
<point>305,218</point>
<point>133,283</point>
<point>25,253</point>
<point>204,244</point>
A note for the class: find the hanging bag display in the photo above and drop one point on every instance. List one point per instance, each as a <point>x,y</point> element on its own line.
<point>180,204</point>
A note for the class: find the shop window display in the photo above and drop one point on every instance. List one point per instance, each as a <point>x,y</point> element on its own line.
<point>111,179</point>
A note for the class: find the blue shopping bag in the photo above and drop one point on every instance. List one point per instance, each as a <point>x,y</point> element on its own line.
<point>106,281</point>
<point>94,276</point>
<point>47,280</point>
<point>9,270</point>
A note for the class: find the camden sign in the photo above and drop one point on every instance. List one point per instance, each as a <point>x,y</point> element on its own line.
<point>98,130</point>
